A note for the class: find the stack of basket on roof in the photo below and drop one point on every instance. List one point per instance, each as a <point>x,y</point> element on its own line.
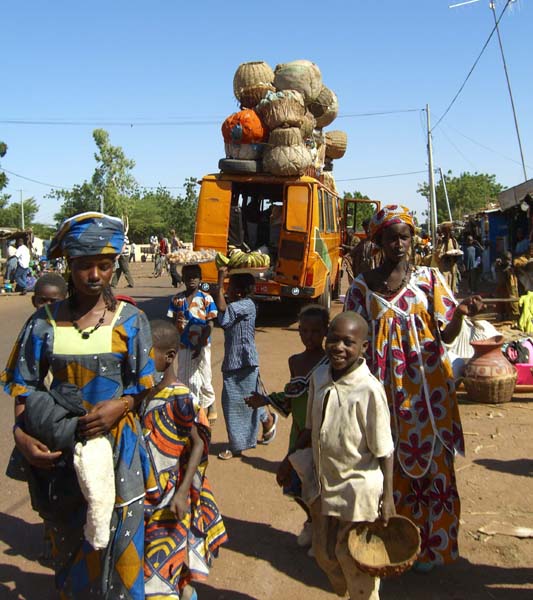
<point>279,129</point>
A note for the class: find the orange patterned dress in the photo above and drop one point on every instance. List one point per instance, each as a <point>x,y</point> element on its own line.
<point>407,355</point>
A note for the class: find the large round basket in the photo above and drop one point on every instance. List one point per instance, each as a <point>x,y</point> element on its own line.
<point>248,75</point>
<point>336,143</point>
<point>385,551</point>
<point>287,161</point>
<point>282,109</point>
<point>308,124</point>
<point>301,75</point>
<point>253,94</point>
<point>490,391</point>
<point>285,136</point>
<point>325,108</point>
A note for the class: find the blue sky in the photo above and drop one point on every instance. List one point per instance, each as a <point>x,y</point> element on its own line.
<point>171,61</point>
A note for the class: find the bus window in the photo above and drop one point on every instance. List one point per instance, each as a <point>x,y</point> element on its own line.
<point>297,204</point>
<point>330,223</point>
<point>320,210</point>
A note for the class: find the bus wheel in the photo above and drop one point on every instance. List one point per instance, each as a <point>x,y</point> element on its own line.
<point>325,298</point>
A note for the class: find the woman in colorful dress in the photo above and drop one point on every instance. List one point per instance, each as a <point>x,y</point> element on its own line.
<point>103,347</point>
<point>411,311</point>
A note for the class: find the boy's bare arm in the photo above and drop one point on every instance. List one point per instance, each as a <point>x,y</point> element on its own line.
<point>180,501</point>
<point>387,502</point>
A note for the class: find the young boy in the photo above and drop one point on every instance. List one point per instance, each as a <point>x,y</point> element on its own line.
<point>49,288</point>
<point>184,528</point>
<point>348,422</point>
<point>193,313</point>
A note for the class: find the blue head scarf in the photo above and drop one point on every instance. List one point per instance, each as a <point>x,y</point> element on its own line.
<point>88,234</point>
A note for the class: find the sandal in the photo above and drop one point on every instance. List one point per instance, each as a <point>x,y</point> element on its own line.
<point>228,454</point>
<point>270,434</point>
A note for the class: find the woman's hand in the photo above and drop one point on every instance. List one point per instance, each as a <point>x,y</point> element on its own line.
<point>179,504</point>
<point>222,274</point>
<point>470,306</point>
<point>101,418</point>
<point>256,400</point>
<point>34,451</point>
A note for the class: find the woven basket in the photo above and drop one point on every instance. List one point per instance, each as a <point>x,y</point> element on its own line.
<point>251,74</point>
<point>301,75</point>
<point>495,390</point>
<point>325,108</point>
<point>282,108</point>
<point>308,125</point>
<point>336,142</point>
<point>286,161</point>
<point>385,551</point>
<point>244,151</point>
<point>285,136</point>
<point>251,96</point>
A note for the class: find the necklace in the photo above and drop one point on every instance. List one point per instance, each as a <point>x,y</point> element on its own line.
<point>85,335</point>
<point>391,291</point>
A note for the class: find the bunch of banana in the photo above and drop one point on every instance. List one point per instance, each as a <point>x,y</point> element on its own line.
<point>237,259</point>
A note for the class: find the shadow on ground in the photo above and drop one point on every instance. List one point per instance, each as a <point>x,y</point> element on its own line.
<point>461,581</point>
<point>276,547</point>
<point>520,466</point>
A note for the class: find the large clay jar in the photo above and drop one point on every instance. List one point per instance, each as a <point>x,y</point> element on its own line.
<point>489,376</point>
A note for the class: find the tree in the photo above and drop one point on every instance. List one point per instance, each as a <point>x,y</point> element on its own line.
<point>468,193</point>
<point>158,211</point>
<point>111,182</point>
<point>112,179</point>
<point>11,215</point>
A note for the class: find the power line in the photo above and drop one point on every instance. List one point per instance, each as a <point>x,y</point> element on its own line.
<point>383,176</point>
<point>58,187</point>
<point>473,66</point>
<point>171,123</point>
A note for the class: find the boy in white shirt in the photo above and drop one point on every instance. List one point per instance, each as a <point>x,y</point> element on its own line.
<point>348,421</point>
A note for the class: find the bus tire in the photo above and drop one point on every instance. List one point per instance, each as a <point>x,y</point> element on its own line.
<point>325,298</point>
<point>234,165</point>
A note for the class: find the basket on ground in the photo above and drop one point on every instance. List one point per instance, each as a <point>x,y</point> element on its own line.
<point>385,551</point>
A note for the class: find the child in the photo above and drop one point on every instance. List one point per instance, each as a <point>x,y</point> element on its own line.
<point>312,327</point>
<point>240,367</point>
<point>184,528</point>
<point>193,312</point>
<point>348,422</point>
<point>49,288</point>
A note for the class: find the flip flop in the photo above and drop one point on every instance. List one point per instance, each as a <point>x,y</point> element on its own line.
<point>228,454</point>
<point>268,436</point>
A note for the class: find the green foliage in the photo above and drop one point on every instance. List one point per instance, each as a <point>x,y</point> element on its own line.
<point>468,193</point>
<point>158,211</point>
<point>112,179</point>
<point>81,198</point>
<point>3,176</point>
<point>45,232</point>
<point>10,214</point>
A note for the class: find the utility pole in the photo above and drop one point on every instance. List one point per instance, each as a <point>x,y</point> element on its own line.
<point>21,210</point>
<point>432,196</point>
<point>492,6</point>
<point>443,179</point>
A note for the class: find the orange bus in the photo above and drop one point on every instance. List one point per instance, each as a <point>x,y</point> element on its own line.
<point>300,222</point>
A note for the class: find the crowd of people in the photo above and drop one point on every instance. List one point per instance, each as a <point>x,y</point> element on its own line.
<point>375,419</point>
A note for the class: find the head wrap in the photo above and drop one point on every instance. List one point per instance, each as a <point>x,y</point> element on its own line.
<point>88,234</point>
<point>392,214</point>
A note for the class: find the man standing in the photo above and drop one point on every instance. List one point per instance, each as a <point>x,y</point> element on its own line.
<point>175,244</point>
<point>123,265</point>
<point>472,262</point>
<point>23,265</point>
<point>132,252</point>
<point>12,262</point>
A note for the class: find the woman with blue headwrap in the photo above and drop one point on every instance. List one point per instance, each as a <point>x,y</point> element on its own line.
<point>103,347</point>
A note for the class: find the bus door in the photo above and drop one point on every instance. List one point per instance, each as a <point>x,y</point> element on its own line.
<point>294,239</point>
<point>356,210</point>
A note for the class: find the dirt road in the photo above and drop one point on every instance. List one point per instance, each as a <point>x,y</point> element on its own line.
<point>262,560</point>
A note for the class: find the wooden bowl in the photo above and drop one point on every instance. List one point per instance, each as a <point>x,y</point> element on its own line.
<point>385,551</point>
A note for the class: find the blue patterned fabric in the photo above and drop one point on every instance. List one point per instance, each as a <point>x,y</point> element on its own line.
<point>88,234</point>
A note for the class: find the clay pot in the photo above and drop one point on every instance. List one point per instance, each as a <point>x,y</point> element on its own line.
<point>489,376</point>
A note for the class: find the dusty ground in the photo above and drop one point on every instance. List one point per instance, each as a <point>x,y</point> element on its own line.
<point>262,560</point>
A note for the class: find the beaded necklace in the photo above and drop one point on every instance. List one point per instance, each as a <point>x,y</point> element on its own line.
<point>85,335</point>
<point>391,291</point>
